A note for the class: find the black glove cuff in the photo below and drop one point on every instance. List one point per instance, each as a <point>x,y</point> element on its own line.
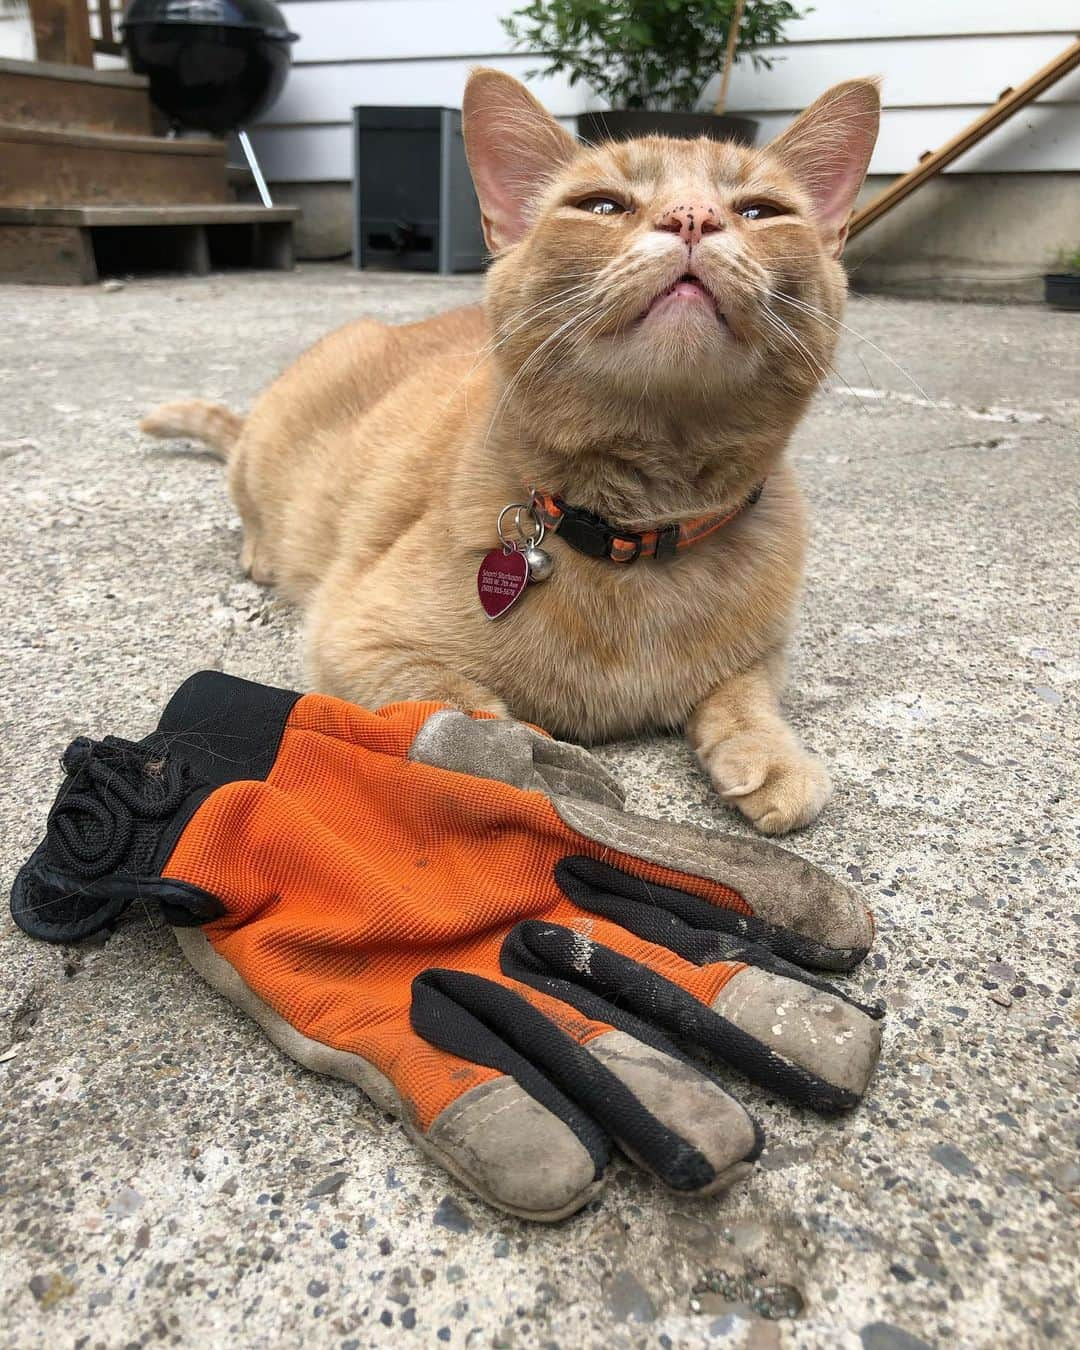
<point>226,728</point>
<point>124,804</point>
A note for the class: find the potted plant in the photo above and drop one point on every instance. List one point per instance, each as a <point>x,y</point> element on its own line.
<point>1062,288</point>
<point>651,59</point>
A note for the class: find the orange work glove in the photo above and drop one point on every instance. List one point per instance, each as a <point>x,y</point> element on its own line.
<point>458,915</point>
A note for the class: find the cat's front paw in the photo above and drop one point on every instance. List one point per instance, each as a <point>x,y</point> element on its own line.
<point>775,783</point>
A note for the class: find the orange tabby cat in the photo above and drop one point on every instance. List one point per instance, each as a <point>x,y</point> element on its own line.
<point>651,335</point>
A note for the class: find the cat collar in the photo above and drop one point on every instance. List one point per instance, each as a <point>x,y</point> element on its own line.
<point>598,538</point>
<point>505,572</point>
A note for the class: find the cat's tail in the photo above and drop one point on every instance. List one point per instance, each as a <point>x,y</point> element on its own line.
<point>214,425</point>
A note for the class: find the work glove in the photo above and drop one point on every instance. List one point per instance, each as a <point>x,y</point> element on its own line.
<point>457,914</point>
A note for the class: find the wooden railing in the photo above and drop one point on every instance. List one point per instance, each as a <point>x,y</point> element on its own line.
<point>1010,101</point>
<point>63,30</point>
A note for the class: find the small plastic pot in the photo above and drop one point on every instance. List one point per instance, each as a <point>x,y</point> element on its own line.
<point>1062,289</point>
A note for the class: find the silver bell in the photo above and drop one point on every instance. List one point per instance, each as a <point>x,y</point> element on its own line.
<point>539,563</point>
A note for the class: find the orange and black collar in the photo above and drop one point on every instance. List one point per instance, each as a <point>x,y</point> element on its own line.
<point>598,538</point>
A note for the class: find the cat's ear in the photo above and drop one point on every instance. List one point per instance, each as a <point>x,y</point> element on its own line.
<point>827,151</point>
<point>514,146</point>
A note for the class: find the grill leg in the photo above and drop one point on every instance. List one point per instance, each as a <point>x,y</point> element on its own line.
<point>253,165</point>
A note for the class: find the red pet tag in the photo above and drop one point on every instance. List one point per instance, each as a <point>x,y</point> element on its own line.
<point>501,579</point>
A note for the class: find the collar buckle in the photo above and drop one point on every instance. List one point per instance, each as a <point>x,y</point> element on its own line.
<point>587,533</point>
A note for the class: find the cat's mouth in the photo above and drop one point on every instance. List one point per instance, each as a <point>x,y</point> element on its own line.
<point>688,290</point>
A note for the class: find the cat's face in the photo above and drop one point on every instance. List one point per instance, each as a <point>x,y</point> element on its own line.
<point>666,268</point>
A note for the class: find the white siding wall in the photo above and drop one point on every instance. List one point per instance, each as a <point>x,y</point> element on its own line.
<point>943,61</point>
<point>16,36</point>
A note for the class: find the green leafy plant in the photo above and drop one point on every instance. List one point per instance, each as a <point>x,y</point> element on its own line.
<point>645,53</point>
<point>1069,262</point>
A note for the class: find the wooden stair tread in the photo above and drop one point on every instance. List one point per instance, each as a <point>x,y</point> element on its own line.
<point>48,95</point>
<point>56,70</point>
<point>98,217</point>
<point>78,245</point>
<point>110,140</point>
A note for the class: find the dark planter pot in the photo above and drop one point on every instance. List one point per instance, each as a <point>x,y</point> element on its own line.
<point>626,124</point>
<point>1062,289</point>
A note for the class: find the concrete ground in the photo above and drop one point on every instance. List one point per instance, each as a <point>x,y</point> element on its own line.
<point>168,1177</point>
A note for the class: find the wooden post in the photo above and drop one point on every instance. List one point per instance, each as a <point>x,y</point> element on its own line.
<point>274,246</point>
<point>62,31</point>
<point>933,161</point>
<point>193,248</point>
<point>729,57</point>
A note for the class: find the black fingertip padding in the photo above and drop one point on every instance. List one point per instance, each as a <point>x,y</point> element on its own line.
<point>754,955</point>
<point>607,890</point>
<point>626,985</point>
<point>487,1023</point>
<point>706,946</point>
<point>56,907</point>
<point>519,961</point>
<point>444,1021</point>
<point>654,922</point>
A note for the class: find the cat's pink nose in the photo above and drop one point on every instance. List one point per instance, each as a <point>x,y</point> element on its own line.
<point>691,221</point>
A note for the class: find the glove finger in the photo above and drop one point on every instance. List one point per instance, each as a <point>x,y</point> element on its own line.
<point>572,771</point>
<point>823,1056</point>
<point>766,881</point>
<point>530,1152</point>
<point>662,1110</point>
<point>659,920</point>
<point>803,1024</point>
<point>640,905</point>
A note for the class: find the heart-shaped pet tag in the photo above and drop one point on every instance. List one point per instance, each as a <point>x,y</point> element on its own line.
<point>501,579</point>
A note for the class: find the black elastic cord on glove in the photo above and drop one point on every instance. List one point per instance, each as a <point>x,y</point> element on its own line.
<point>113,784</point>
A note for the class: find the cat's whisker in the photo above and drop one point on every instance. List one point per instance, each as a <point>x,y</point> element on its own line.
<point>520,373</point>
<point>523,318</point>
<point>788,334</point>
<point>591,325</point>
<point>587,324</point>
<point>546,304</point>
<point>531,314</point>
<point>825,372</point>
<point>813,312</point>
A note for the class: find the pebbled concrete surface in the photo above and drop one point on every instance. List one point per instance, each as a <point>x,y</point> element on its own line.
<point>169,1178</point>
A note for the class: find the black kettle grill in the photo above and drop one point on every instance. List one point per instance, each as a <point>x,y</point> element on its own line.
<point>213,65</point>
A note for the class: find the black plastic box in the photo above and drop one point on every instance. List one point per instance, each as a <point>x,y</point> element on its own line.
<point>415,207</point>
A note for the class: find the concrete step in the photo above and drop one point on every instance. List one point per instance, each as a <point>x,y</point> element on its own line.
<point>46,94</point>
<point>77,245</point>
<point>47,167</point>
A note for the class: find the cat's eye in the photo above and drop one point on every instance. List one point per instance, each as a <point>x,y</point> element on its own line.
<point>760,211</point>
<point>602,206</point>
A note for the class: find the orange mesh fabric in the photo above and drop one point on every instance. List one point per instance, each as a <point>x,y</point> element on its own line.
<point>351,870</point>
